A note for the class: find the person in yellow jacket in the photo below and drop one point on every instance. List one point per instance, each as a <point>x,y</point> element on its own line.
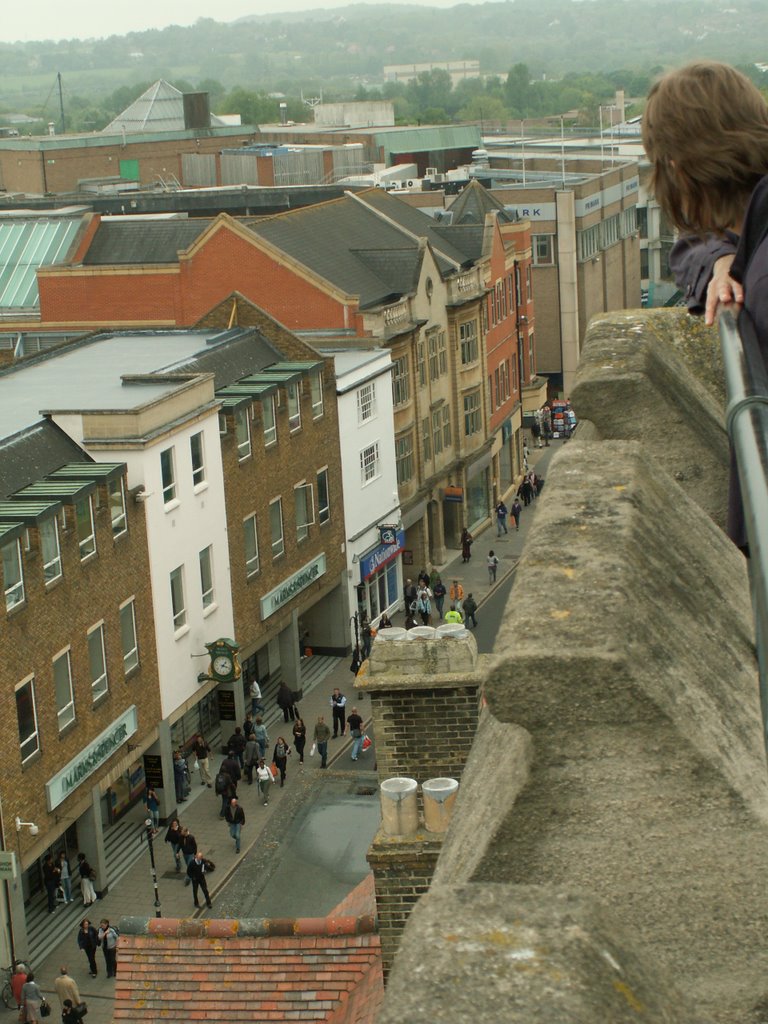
<point>453,615</point>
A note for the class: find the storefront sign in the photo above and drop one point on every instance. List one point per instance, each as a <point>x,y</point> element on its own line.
<point>153,770</point>
<point>388,534</point>
<point>93,757</point>
<point>227,705</point>
<point>382,555</point>
<point>289,588</point>
<point>7,866</point>
<point>453,494</point>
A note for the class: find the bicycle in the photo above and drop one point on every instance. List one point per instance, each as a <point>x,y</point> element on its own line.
<point>6,993</point>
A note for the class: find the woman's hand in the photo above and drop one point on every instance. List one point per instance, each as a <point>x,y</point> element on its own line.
<point>722,291</point>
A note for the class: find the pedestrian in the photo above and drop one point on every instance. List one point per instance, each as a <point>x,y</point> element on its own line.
<point>515,511</point>
<point>262,736</point>
<point>338,704</point>
<point>196,874</point>
<point>501,518</point>
<point>439,592</point>
<point>286,702</point>
<point>456,594</point>
<point>202,752</point>
<point>410,619</point>
<point>65,876</point>
<point>31,999</point>
<point>536,429</point>
<point>51,876</point>
<point>423,578</point>
<point>224,787</point>
<point>367,634</point>
<point>470,607</point>
<point>424,605</point>
<point>256,705</point>
<point>18,978</point>
<point>70,1014</point>
<point>300,739</point>
<point>248,725</point>
<point>532,481</point>
<point>409,595</point>
<point>539,485</point>
<point>173,836</point>
<point>467,540</point>
<point>180,776</point>
<point>356,729</point>
<point>321,736</point>
<point>454,615</point>
<point>231,766</point>
<point>265,779</point>
<point>235,819</point>
<point>250,757</point>
<point>66,988</point>
<point>108,938</point>
<point>236,744</point>
<point>714,188</point>
<point>152,801</point>
<point>88,941</point>
<point>493,563</point>
<point>188,848</point>
<point>280,757</point>
<point>525,491</point>
<point>385,622</point>
<point>87,878</point>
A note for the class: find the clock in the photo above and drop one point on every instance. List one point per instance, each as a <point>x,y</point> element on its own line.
<point>224,664</point>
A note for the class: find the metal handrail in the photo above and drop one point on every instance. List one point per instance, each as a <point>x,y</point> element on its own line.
<point>746,417</point>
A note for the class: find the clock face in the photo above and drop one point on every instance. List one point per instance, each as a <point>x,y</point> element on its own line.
<point>222,665</point>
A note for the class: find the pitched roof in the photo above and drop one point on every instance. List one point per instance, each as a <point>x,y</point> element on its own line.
<point>312,969</point>
<point>34,453</point>
<point>474,202</point>
<point>159,109</point>
<point>124,241</point>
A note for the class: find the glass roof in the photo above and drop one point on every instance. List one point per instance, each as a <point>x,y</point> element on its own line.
<point>26,245</point>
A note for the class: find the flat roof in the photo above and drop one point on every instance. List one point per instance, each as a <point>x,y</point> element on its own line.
<point>88,376</point>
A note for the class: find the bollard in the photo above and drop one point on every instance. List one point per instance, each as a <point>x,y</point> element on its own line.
<point>439,799</point>
<point>399,807</point>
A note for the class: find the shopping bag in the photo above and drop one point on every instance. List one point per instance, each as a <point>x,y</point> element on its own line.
<point>312,750</point>
<point>274,769</point>
<point>367,742</point>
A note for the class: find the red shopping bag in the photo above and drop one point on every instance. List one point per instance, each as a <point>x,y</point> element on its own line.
<point>367,742</point>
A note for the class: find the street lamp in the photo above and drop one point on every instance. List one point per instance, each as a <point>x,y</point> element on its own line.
<point>149,832</point>
<point>33,828</point>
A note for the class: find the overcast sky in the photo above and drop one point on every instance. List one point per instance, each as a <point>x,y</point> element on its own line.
<point>84,19</point>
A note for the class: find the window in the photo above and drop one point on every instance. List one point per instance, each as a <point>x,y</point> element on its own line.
<point>446,413</point>
<point>587,243</point>
<point>206,576</point>
<point>513,364</point>
<point>128,637</point>
<point>528,289</point>
<point>426,439</point>
<point>434,359</point>
<point>610,230</point>
<point>531,356</point>
<point>305,509</point>
<point>628,222</point>
<point>197,451</point>
<point>497,388</point>
<point>222,423</point>
<point>404,458</point>
<point>243,432</point>
<point>400,381</point>
<point>492,307</point>
<point>294,405</point>
<point>251,541</point>
<point>49,549</point>
<point>268,418</point>
<point>543,251</point>
<point>421,368</point>
<point>471,413</point>
<point>26,713</point>
<point>86,536</point>
<point>116,498</point>
<point>641,219</point>
<point>369,462</point>
<point>316,391</point>
<point>442,352</point>
<point>323,497</point>
<point>437,432</point>
<point>643,264</point>
<point>497,293</point>
<point>62,685</point>
<point>276,527</point>
<point>97,661</point>
<point>518,289</point>
<point>178,607</point>
<point>168,474</point>
<point>468,338</point>
<point>366,402</point>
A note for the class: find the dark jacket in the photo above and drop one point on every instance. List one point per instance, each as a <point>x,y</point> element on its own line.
<point>469,605</point>
<point>196,870</point>
<point>236,742</point>
<point>231,766</point>
<point>189,845</point>
<point>88,940</point>
<point>285,696</point>
<point>173,836</point>
<point>202,750</point>
<point>236,817</point>
<point>85,869</point>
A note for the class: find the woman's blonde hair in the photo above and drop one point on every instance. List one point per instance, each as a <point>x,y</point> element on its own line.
<point>705,131</point>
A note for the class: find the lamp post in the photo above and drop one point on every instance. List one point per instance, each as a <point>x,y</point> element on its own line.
<point>148,830</point>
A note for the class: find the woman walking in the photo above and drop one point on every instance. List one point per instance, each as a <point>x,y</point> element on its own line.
<point>424,605</point>
<point>87,876</point>
<point>65,877</point>
<point>300,739</point>
<point>466,545</point>
<point>280,757</point>
<point>152,801</point>
<point>265,778</point>
<point>31,999</point>
<point>88,941</point>
<point>174,837</point>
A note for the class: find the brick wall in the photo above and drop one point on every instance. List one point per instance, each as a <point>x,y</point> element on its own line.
<point>59,616</point>
<point>403,868</point>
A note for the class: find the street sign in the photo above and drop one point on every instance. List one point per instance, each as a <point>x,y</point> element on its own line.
<point>7,866</point>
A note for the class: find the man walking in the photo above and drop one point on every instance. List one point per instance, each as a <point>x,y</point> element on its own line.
<point>493,564</point>
<point>470,607</point>
<point>321,737</point>
<point>236,818</point>
<point>516,509</point>
<point>202,750</point>
<point>196,872</point>
<point>501,519</point>
<point>66,988</point>
<point>188,848</point>
<point>454,615</point>
<point>456,594</point>
<point>51,876</point>
<point>338,703</point>
<point>356,729</point>
<point>256,706</point>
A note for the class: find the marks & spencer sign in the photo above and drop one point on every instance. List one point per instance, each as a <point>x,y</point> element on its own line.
<point>91,758</point>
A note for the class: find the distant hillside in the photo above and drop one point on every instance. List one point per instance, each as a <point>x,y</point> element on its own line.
<point>344,47</point>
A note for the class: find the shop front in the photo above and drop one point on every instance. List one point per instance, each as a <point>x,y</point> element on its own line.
<point>381,579</point>
<point>479,493</point>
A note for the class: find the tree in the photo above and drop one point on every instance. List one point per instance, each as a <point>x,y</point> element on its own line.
<point>518,90</point>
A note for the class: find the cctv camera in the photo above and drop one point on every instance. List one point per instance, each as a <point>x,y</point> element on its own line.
<point>34,829</point>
